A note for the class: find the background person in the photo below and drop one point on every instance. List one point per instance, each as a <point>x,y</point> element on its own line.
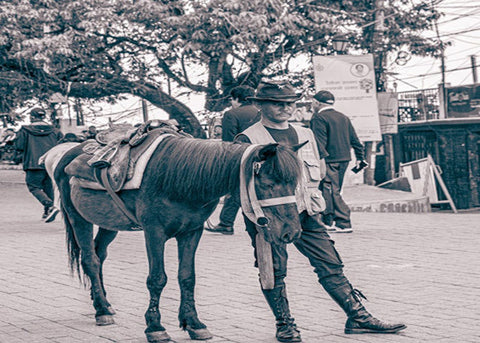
<point>33,141</point>
<point>242,115</point>
<point>334,133</point>
<point>276,103</point>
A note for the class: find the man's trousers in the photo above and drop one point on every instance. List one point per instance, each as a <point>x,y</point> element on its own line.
<point>314,243</point>
<point>337,211</point>
<point>39,184</point>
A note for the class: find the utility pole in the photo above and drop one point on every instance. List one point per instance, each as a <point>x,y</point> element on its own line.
<point>144,111</point>
<point>442,48</point>
<point>442,99</point>
<point>474,68</point>
<point>377,49</point>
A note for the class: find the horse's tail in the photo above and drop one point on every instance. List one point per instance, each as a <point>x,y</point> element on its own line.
<point>72,246</point>
<point>62,181</point>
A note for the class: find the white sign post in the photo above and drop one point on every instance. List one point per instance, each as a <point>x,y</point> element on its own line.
<point>388,111</point>
<point>351,79</point>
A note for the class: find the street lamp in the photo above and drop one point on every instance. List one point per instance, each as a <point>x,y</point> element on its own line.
<point>340,43</point>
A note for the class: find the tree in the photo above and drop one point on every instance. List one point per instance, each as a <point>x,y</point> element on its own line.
<point>103,48</point>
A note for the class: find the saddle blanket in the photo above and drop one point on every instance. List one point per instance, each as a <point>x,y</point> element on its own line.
<point>136,180</point>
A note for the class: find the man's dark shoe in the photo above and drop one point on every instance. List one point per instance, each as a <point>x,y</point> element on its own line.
<point>359,319</point>
<point>51,214</point>
<point>287,331</point>
<point>226,230</point>
<point>371,325</point>
<point>45,212</point>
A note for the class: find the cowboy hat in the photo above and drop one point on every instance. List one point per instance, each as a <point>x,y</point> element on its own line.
<point>279,91</point>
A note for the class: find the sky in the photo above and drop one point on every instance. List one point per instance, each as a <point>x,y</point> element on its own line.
<point>459,25</point>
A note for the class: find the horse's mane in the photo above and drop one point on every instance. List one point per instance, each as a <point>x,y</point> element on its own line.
<point>196,170</point>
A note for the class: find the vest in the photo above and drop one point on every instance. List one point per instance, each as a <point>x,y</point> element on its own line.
<point>308,196</point>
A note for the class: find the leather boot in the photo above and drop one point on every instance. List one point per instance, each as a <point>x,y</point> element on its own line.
<point>286,328</point>
<point>359,319</point>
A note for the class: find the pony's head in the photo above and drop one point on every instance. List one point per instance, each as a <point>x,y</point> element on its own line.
<point>268,195</point>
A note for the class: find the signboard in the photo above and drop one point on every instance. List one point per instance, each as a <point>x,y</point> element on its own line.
<point>423,176</point>
<point>463,101</point>
<point>351,79</point>
<point>388,112</point>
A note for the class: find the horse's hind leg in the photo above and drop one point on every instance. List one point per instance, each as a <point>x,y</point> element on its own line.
<point>103,238</point>
<point>90,264</point>
<point>187,246</point>
<point>156,281</point>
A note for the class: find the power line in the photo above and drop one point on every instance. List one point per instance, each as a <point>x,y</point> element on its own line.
<point>438,72</point>
<point>461,16</point>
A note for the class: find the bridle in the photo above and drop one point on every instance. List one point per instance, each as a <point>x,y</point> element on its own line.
<point>251,206</point>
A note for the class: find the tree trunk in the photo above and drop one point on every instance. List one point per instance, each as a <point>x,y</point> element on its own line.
<point>176,109</point>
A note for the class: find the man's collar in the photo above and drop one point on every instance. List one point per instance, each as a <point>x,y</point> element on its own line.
<point>325,108</point>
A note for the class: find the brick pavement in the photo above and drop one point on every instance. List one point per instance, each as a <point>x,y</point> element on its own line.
<point>422,269</point>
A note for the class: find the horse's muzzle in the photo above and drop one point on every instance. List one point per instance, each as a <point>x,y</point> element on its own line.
<point>290,237</point>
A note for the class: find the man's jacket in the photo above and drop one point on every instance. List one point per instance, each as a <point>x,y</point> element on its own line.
<point>238,119</point>
<point>334,131</point>
<point>34,140</point>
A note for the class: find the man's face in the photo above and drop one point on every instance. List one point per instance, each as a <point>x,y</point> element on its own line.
<point>276,111</point>
<point>235,103</point>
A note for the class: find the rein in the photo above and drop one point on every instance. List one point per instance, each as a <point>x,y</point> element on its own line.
<point>253,209</point>
<point>251,206</point>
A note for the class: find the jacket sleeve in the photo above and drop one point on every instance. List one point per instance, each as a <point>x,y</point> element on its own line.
<point>229,127</point>
<point>319,128</point>
<point>355,143</point>
<point>20,140</point>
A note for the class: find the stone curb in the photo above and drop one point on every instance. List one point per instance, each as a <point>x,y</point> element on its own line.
<point>420,205</point>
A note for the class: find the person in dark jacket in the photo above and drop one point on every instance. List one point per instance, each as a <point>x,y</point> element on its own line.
<point>33,141</point>
<point>242,115</point>
<point>334,133</point>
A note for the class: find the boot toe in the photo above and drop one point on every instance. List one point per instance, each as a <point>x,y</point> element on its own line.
<point>372,325</point>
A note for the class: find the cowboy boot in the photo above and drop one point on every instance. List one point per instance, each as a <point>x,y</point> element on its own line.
<point>286,328</point>
<point>359,319</point>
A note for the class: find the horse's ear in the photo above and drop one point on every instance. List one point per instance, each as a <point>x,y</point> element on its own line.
<point>267,151</point>
<point>299,146</point>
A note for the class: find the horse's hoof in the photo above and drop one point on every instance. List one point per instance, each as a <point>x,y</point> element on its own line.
<point>111,310</point>
<point>105,319</point>
<point>159,337</point>
<point>199,334</point>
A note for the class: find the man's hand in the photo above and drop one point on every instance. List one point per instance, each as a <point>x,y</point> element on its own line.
<point>359,166</point>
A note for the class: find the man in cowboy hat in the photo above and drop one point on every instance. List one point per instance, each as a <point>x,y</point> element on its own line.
<point>33,141</point>
<point>275,101</point>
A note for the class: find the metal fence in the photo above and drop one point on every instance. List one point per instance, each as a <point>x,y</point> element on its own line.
<point>423,104</point>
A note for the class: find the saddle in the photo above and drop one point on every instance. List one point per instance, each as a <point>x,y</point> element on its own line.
<point>109,161</point>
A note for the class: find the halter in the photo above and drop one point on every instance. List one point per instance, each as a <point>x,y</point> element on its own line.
<point>251,206</point>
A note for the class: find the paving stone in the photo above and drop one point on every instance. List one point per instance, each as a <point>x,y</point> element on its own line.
<point>421,269</point>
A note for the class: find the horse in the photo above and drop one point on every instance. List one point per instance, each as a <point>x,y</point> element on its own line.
<point>181,187</point>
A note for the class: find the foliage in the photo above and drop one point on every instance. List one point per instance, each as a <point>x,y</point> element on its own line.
<point>103,48</point>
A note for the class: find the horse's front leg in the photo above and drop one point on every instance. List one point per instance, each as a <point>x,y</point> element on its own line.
<point>187,246</point>
<point>156,281</point>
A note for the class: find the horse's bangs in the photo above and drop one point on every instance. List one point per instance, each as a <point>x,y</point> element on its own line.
<point>284,166</point>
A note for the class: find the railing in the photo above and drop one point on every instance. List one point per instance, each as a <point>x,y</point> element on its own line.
<point>423,104</point>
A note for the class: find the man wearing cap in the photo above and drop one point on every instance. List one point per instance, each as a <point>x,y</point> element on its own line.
<point>335,133</point>
<point>242,115</point>
<point>33,141</point>
<point>275,101</point>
